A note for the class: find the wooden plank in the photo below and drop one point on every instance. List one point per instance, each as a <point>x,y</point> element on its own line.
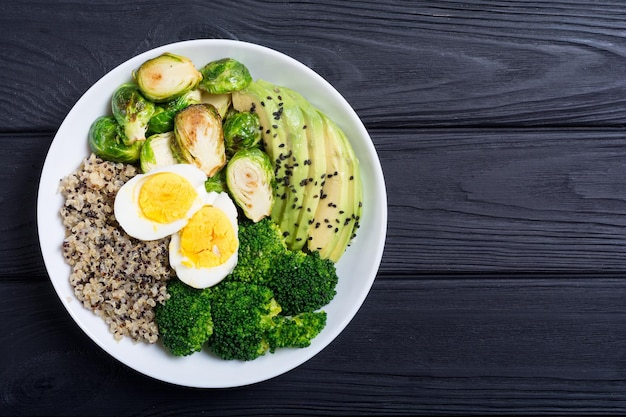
<point>505,200</point>
<point>429,345</point>
<point>476,200</point>
<point>498,63</point>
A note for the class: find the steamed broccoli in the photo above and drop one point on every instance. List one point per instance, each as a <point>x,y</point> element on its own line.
<point>184,320</point>
<point>295,331</point>
<point>248,323</point>
<point>242,317</point>
<point>259,244</point>
<point>302,282</point>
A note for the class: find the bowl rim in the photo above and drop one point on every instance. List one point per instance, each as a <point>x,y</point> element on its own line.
<point>334,102</point>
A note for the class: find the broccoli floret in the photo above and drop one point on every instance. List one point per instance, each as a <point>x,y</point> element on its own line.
<point>296,331</point>
<point>184,320</point>
<point>259,244</point>
<point>302,282</point>
<point>242,317</point>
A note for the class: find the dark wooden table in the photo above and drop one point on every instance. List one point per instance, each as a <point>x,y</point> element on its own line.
<point>500,128</point>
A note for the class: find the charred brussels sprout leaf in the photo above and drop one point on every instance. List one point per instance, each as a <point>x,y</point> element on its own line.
<point>250,180</point>
<point>132,111</point>
<point>163,119</point>
<point>166,77</point>
<point>156,152</point>
<point>199,137</point>
<point>106,140</point>
<point>242,130</point>
<point>224,76</point>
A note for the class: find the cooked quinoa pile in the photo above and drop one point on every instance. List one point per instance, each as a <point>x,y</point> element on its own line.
<point>118,277</point>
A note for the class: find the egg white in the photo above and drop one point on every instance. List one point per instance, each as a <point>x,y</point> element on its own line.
<point>128,213</point>
<point>205,277</point>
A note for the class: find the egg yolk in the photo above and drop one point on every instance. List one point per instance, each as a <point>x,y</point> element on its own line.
<point>208,239</point>
<point>166,197</point>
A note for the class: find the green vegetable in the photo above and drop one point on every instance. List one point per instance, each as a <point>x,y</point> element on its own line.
<point>242,317</point>
<point>166,77</point>
<point>132,111</point>
<point>247,323</point>
<point>217,182</point>
<point>295,331</point>
<point>184,320</point>
<point>224,76</point>
<point>259,244</point>
<point>242,130</point>
<point>221,102</point>
<point>250,180</point>
<point>318,194</point>
<point>156,152</point>
<point>106,139</point>
<point>198,131</point>
<point>163,119</point>
<point>301,281</point>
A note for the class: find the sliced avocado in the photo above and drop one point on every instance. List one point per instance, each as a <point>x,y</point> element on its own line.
<point>318,190</point>
<point>316,162</point>
<point>351,211</point>
<point>259,97</point>
<point>336,215</point>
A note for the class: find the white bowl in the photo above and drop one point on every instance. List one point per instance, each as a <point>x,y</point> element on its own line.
<point>356,269</point>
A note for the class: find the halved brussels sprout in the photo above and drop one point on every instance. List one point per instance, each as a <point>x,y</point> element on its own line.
<point>163,119</point>
<point>106,140</point>
<point>224,76</point>
<point>221,102</point>
<point>132,111</point>
<point>198,132</point>
<point>250,180</point>
<point>156,152</point>
<point>242,130</point>
<point>166,77</point>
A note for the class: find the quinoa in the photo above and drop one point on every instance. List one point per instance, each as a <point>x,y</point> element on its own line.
<point>119,278</point>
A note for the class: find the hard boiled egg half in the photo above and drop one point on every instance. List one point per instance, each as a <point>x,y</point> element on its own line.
<point>173,201</point>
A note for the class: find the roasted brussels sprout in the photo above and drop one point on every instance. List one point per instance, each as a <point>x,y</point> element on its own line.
<point>224,76</point>
<point>198,132</point>
<point>166,77</point>
<point>250,181</point>
<point>222,102</point>
<point>106,140</point>
<point>217,182</point>
<point>163,119</point>
<point>132,111</point>
<point>242,130</point>
<point>156,151</point>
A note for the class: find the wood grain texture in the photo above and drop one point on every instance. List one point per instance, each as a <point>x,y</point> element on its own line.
<point>540,345</point>
<point>499,126</point>
<point>448,63</point>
